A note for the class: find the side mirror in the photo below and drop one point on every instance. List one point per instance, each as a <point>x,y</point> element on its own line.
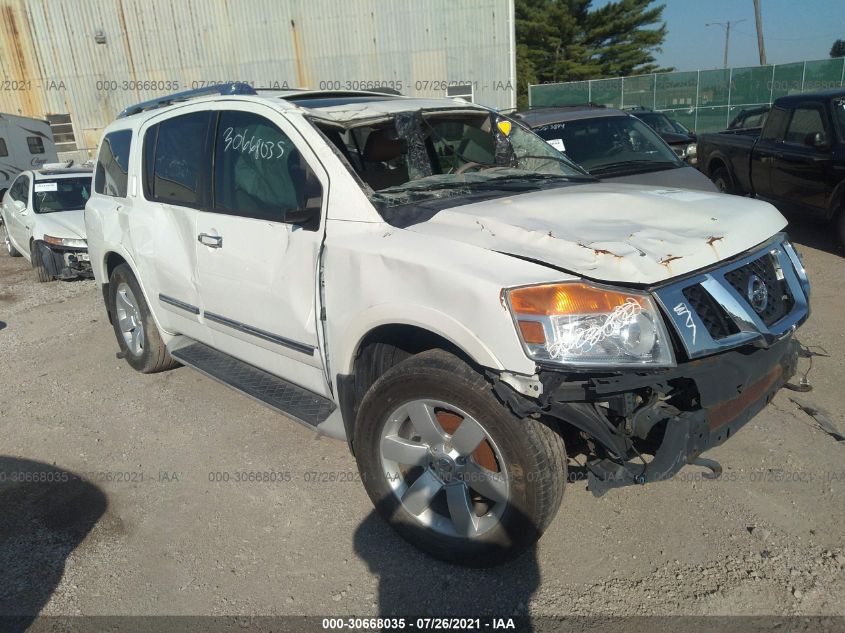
<point>817,140</point>
<point>20,207</point>
<point>310,204</point>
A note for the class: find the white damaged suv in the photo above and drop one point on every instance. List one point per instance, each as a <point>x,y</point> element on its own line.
<point>434,283</point>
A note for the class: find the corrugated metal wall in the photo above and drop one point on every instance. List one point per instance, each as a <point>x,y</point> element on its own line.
<point>52,63</point>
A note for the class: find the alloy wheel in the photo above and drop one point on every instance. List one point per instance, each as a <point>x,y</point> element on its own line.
<point>444,468</point>
<point>129,319</point>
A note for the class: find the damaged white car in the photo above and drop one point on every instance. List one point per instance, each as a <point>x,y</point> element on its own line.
<point>43,220</point>
<point>432,282</point>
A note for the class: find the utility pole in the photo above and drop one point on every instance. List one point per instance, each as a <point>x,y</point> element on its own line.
<point>727,27</point>
<point>759,20</point>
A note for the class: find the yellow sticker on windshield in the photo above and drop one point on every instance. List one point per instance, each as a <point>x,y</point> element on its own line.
<point>505,127</point>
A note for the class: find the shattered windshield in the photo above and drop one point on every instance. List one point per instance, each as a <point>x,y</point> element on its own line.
<point>428,155</point>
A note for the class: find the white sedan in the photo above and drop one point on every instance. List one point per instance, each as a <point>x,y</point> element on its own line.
<point>43,215</point>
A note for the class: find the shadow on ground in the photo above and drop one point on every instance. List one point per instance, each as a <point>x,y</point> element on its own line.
<point>412,584</point>
<point>814,233</point>
<point>2,325</point>
<point>45,513</point>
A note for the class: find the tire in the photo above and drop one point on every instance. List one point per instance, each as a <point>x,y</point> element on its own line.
<point>722,179</point>
<point>507,503</point>
<point>10,250</point>
<point>41,272</point>
<point>137,334</point>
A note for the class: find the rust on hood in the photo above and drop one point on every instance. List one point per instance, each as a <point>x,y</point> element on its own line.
<point>597,251</point>
<point>669,259</point>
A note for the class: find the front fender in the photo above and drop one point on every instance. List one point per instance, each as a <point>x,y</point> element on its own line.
<point>425,318</point>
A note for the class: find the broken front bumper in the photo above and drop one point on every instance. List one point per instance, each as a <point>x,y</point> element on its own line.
<point>64,262</point>
<point>735,326</point>
<point>673,414</point>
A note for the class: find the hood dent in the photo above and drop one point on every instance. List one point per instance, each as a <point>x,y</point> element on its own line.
<point>623,234</point>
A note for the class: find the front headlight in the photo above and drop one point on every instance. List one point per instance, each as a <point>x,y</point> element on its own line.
<point>65,241</point>
<point>575,323</point>
<point>691,151</point>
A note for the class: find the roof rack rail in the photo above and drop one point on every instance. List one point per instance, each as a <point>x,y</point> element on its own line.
<point>235,88</point>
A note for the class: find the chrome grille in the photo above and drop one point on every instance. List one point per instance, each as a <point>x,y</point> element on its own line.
<point>712,311</point>
<point>712,315</point>
<point>779,298</point>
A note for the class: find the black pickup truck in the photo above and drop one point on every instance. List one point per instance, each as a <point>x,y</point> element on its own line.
<point>797,160</point>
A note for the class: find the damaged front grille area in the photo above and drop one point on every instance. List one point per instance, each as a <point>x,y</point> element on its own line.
<point>755,299</point>
<point>713,316</point>
<point>779,299</point>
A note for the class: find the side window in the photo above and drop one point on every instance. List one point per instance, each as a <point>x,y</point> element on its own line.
<point>14,190</point>
<point>20,190</point>
<point>113,164</point>
<point>173,158</point>
<point>806,120</point>
<point>3,149</point>
<point>35,144</point>
<point>775,125</point>
<point>258,172</point>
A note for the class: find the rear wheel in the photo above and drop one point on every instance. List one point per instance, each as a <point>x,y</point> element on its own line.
<point>41,272</point>
<point>840,226</point>
<point>451,468</point>
<point>136,331</point>
<point>722,179</point>
<point>10,250</point>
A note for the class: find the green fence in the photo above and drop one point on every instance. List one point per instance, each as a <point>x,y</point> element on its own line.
<point>703,100</point>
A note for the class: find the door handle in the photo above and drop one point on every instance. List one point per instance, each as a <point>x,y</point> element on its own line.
<point>212,241</point>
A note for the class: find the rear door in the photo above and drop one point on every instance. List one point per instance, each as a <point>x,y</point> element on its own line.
<point>257,270</point>
<point>174,185</point>
<point>803,175</point>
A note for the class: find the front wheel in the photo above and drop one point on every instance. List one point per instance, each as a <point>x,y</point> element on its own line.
<point>41,272</point>
<point>722,179</point>
<point>7,241</point>
<point>136,331</point>
<point>451,468</point>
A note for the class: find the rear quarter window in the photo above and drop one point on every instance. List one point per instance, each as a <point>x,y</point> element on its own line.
<point>113,164</point>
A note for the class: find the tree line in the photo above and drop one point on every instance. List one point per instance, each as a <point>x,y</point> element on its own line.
<point>569,40</point>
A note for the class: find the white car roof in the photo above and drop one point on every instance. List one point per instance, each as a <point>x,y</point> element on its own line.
<point>339,106</point>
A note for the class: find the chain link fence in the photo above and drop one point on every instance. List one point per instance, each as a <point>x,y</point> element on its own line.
<point>703,100</point>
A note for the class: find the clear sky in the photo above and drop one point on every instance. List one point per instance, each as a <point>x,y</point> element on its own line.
<point>794,30</point>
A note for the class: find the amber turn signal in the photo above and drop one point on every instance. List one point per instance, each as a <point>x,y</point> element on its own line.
<point>532,332</point>
<point>567,298</point>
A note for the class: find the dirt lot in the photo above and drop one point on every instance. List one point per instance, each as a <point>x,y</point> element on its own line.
<point>148,532</point>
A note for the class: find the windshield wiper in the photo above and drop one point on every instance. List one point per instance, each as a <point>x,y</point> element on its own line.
<point>636,164</point>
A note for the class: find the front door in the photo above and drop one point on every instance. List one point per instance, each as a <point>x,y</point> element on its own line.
<point>803,175</point>
<point>257,272</point>
<point>19,220</point>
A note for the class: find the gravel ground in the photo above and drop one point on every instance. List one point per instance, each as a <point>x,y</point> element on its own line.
<point>145,530</point>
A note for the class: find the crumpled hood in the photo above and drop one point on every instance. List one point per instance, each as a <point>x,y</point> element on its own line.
<point>63,223</point>
<point>619,233</point>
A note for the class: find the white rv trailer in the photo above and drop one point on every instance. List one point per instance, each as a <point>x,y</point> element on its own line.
<point>25,143</point>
